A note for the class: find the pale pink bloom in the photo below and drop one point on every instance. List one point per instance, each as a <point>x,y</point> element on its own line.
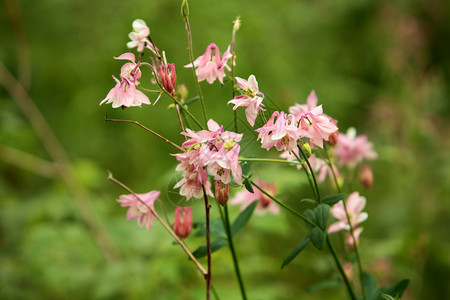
<point>139,209</point>
<point>139,36</point>
<point>214,152</point>
<point>316,126</point>
<point>265,204</point>
<point>355,204</point>
<point>182,225</point>
<point>352,150</point>
<point>282,133</point>
<point>313,123</point>
<point>125,94</point>
<point>251,98</point>
<point>210,66</point>
<point>356,233</point>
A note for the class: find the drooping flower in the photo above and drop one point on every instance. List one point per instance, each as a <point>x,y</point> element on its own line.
<point>124,93</point>
<point>352,149</point>
<point>313,123</point>
<point>183,221</point>
<point>355,204</point>
<point>281,133</point>
<point>139,37</point>
<point>222,192</point>
<point>213,152</point>
<point>251,98</point>
<point>210,66</point>
<point>366,176</point>
<point>139,207</point>
<point>265,204</point>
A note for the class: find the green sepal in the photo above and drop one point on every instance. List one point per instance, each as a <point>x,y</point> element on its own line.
<point>309,214</point>
<point>318,238</point>
<point>309,201</point>
<point>303,243</point>
<point>395,291</point>
<point>248,186</point>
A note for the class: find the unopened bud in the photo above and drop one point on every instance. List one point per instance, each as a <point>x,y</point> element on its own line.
<point>182,92</point>
<point>185,9</point>
<point>333,137</point>
<point>168,77</point>
<point>306,149</point>
<point>237,23</point>
<point>222,192</point>
<point>183,221</point>
<point>366,176</point>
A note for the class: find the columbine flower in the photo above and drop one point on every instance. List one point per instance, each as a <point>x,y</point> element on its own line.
<point>366,176</point>
<point>251,98</point>
<point>355,204</point>
<point>351,149</point>
<point>282,133</point>
<point>183,221</point>
<point>139,209</point>
<point>212,152</point>
<point>265,204</point>
<point>210,66</point>
<point>139,36</point>
<point>313,123</point>
<point>125,94</point>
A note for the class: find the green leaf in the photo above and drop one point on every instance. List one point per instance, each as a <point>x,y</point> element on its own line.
<point>370,284</point>
<point>243,218</point>
<point>192,100</point>
<point>215,245</point>
<point>327,284</point>
<point>215,228</point>
<point>309,201</point>
<point>318,238</point>
<point>248,186</point>
<point>321,213</point>
<point>333,199</point>
<point>309,214</point>
<point>303,243</point>
<point>246,168</point>
<point>387,297</point>
<point>396,290</point>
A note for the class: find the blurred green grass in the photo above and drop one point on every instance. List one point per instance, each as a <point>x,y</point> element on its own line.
<point>382,67</point>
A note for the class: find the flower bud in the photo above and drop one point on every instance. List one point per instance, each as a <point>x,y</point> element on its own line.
<point>222,192</point>
<point>306,149</point>
<point>183,221</point>
<point>168,77</point>
<point>182,92</point>
<point>366,176</point>
<point>333,137</point>
<point>185,9</point>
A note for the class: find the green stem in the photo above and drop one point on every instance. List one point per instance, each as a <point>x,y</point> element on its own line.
<point>316,186</point>
<point>208,245</point>
<point>233,253</point>
<point>355,245</point>
<point>191,57</point>
<point>184,109</point>
<point>308,175</point>
<point>341,269</point>
<point>268,160</point>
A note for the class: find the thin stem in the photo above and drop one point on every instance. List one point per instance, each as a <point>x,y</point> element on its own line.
<point>191,57</point>
<point>283,205</point>
<point>148,129</point>
<point>308,175</point>
<point>355,245</point>
<point>233,57</point>
<point>208,245</point>
<point>180,121</point>
<point>341,269</point>
<point>316,186</point>
<point>164,224</point>
<point>233,253</point>
<point>268,160</point>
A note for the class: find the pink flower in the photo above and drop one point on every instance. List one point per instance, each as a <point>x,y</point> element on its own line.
<point>282,133</point>
<point>366,176</point>
<point>251,98</point>
<point>183,221</point>
<point>210,66</point>
<point>213,152</point>
<point>222,192</point>
<point>139,209</point>
<point>265,204</point>
<point>125,94</point>
<point>351,149</point>
<point>139,36</point>
<point>313,123</point>
<point>355,205</point>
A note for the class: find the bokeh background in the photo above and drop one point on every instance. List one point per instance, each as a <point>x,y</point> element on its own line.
<point>380,66</point>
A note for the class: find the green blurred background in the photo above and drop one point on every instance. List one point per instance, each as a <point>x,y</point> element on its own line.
<point>380,66</point>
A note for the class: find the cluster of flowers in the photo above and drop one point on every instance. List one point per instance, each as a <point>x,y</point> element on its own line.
<point>213,152</point>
